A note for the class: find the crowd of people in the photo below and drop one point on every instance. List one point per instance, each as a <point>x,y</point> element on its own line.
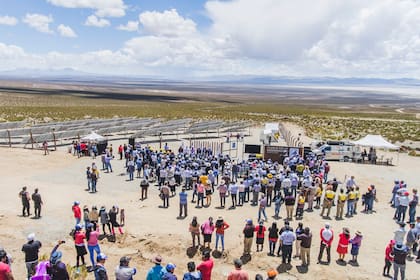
<point>299,183</point>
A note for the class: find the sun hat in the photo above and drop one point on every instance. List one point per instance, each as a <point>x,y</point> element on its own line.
<point>220,218</point>
<point>359,233</point>
<point>157,259</point>
<point>327,225</point>
<point>31,237</point>
<point>346,230</point>
<point>101,257</point>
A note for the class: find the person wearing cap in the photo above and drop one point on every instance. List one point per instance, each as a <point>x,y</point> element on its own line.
<point>77,213</point>
<point>355,242</point>
<point>169,272</point>
<point>94,217</point>
<point>238,273</point>
<point>206,266</point>
<point>400,252</point>
<point>327,237</point>
<point>25,197</point>
<point>221,226</point>
<point>100,270</point>
<point>31,250</point>
<point>92,237</point>
<point>79,237</point>
<point>412,206</point>
<point>271,274</point>
<point>248,232</point>
<point>403,205</point>
<point>389,258</point>
<point>123,271</point>
<point>5,271</point>
<point>156,272</point>
<point>57,269</point>
<point>192,274</point>
<point>328,201</point>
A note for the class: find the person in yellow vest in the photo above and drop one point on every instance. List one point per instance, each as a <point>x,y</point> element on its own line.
<point>357,191</point>
<point>328,200</point>
<point>318,195</point>
<point>342,197</point>
<point>351,199</point>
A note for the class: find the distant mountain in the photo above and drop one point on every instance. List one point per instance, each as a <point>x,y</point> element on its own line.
<point>70,74</point>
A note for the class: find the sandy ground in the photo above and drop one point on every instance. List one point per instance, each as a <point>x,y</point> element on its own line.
<point>152,230</point>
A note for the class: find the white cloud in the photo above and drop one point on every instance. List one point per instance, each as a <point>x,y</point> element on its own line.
<point>130,26</point>
<point>377,38</point>
<point>93,20</point>
<point>168,23</point>
<point>39,22</point>
<point>8,20</point>
<point>66,31</point>
<point>103,8</point>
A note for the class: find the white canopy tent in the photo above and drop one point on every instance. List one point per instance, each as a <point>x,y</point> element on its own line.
<point>376,141</point>
<point>93,137</point>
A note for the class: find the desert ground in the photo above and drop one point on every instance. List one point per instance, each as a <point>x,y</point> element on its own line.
<point>151,230</point>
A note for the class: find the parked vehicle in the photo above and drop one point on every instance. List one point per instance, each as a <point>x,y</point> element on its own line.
<point>338,150</point>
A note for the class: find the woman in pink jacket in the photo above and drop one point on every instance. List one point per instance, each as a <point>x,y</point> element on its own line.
<point>207,229</point>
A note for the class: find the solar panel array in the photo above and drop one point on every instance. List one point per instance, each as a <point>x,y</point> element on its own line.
<point>133,127</point>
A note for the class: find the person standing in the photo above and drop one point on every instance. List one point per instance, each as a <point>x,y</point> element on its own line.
<point>100,270</point>
<point>305,246</point>
<point>343,244</point>
<point>77,213</point>
<point>248,232</point>
<point>233,190</point>
<point>289,201</point>
<point>124,271</point>
<point>273,236</point>
<point>5,271</point>
<point>206,266</point>
<point>221,226</point>
<point>355,242</point>
<point>260,230</point>
<point>400,252</point>
<point>104,219</point>
<point>164,190</point>
<point>327,237</point>
<point>89,178</point>
<point>238,273</point>
<point>207,229</point>
<point>412,206</point>
<point>194,228</point>
<point>222,188</point>
<point>112,214</point>
<point>25,197</point>
<point>286,239</point>
<point>144,185</point>
<point>36,198</point>
<point>389,258</point>
<point>328,201</point>
<point>79,242</point>
<point>92,236</point>
<point>31,250</point>
<point>261,208</point>
<point>341,201</point>
<point>298,232</point>
<point>183,203</point>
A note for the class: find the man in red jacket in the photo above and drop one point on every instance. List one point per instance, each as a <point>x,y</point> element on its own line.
<point>327,236</point>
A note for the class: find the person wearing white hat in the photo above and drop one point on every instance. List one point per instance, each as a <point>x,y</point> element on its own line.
<point>31,250</point>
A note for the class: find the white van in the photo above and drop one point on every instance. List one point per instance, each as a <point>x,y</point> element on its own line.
<point>338,150</point>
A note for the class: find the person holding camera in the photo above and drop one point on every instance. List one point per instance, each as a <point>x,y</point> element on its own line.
<point>5,271</point>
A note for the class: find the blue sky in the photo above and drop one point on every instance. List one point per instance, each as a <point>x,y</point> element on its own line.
<point>184,38</point>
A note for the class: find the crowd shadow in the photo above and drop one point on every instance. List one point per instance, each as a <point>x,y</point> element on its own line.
<point>284,267</point>
<point>245,258</point>
<point>302,269</point>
